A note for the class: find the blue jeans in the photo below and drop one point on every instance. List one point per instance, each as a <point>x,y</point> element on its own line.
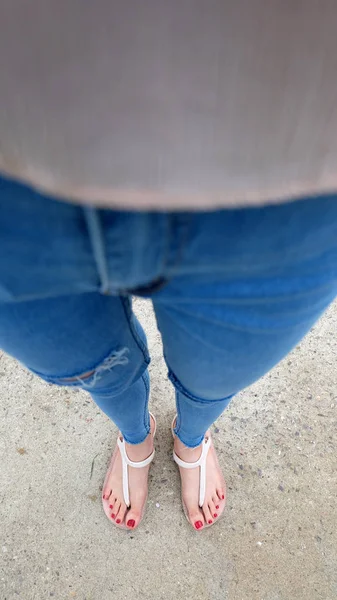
<point>233,291</point>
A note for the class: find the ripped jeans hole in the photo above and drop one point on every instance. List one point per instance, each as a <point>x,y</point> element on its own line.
<point>89,379</point>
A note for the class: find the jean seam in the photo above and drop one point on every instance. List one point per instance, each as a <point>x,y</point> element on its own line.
<point>168,236</point>
<point>183,221</point>
<point>125,304</point>
<point>178,421</point>
<point>147,427</point>
<point>165,258</point>
<point>96,237</point>
<point>178,225</point>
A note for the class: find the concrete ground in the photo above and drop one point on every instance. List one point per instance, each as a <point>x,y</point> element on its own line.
<point>277,446</point>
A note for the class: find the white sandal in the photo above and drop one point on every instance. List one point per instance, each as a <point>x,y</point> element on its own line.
<point>201,463</point>
<point>126,462</point>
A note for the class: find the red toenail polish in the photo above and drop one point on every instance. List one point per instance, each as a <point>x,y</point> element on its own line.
<point>215,515</point>
<point>210,522</point>
<point>131,523</point>
<point>103,496</point>
<point>118,520</point>
<point>113,516</point>
<point>223,497</point>
<point>111,506</point>
<point>217,507</point>
<point>198,524</point>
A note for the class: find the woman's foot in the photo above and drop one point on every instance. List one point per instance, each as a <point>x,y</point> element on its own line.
<point>113,489</point>
<point>215,495</point>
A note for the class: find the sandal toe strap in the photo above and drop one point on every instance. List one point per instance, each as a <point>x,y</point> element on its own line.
<point>201,462</point>
<point>126,462</point>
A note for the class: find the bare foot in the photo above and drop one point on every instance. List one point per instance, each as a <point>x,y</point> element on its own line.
<point>113,490</point>
<point>215,496</point>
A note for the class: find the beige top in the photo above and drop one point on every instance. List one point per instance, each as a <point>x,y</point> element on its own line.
<point>170,103</point>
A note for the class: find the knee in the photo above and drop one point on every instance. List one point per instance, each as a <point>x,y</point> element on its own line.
<point>202,390</point>
<point>115,373</point>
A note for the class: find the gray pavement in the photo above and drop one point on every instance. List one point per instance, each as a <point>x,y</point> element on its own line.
<point>277,446</point>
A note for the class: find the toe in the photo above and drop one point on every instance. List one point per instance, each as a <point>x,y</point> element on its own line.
<point>121,513</point>
<point>219,505</point>
<point>196,519</point>
<point>221,493</point>
<point>115,509</point>
<point>134,515</point>
<point>207,514</point>
<point>132,519</point>
<point>107,493</point>
<point>212,507</point>
<point>112,501</point>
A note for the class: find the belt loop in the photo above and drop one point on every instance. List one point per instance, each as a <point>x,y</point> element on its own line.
<point>95,231</point>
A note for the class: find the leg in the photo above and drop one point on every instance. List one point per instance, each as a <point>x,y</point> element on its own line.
<point>94,342</point>
<point>214,350</point>
<point>222,331</point>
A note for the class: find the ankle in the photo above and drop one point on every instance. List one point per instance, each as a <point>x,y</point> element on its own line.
<point>185,452</point>
<point>142,450</point>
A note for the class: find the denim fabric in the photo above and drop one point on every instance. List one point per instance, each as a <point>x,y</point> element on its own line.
<point>233,292</point>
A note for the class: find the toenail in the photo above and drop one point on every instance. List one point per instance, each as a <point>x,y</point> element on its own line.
<point>113,516</point>
<point>215,515</point>
<point>111,506</point>
<point>131,523</point>
<point>223,497</point>
<point>103,496</point>
<point>217,507</point>
<point>198,524</point>
<point>118,520</point>
<point>210,522</point>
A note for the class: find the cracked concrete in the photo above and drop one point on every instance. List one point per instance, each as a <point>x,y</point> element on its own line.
<point>277,446</point>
